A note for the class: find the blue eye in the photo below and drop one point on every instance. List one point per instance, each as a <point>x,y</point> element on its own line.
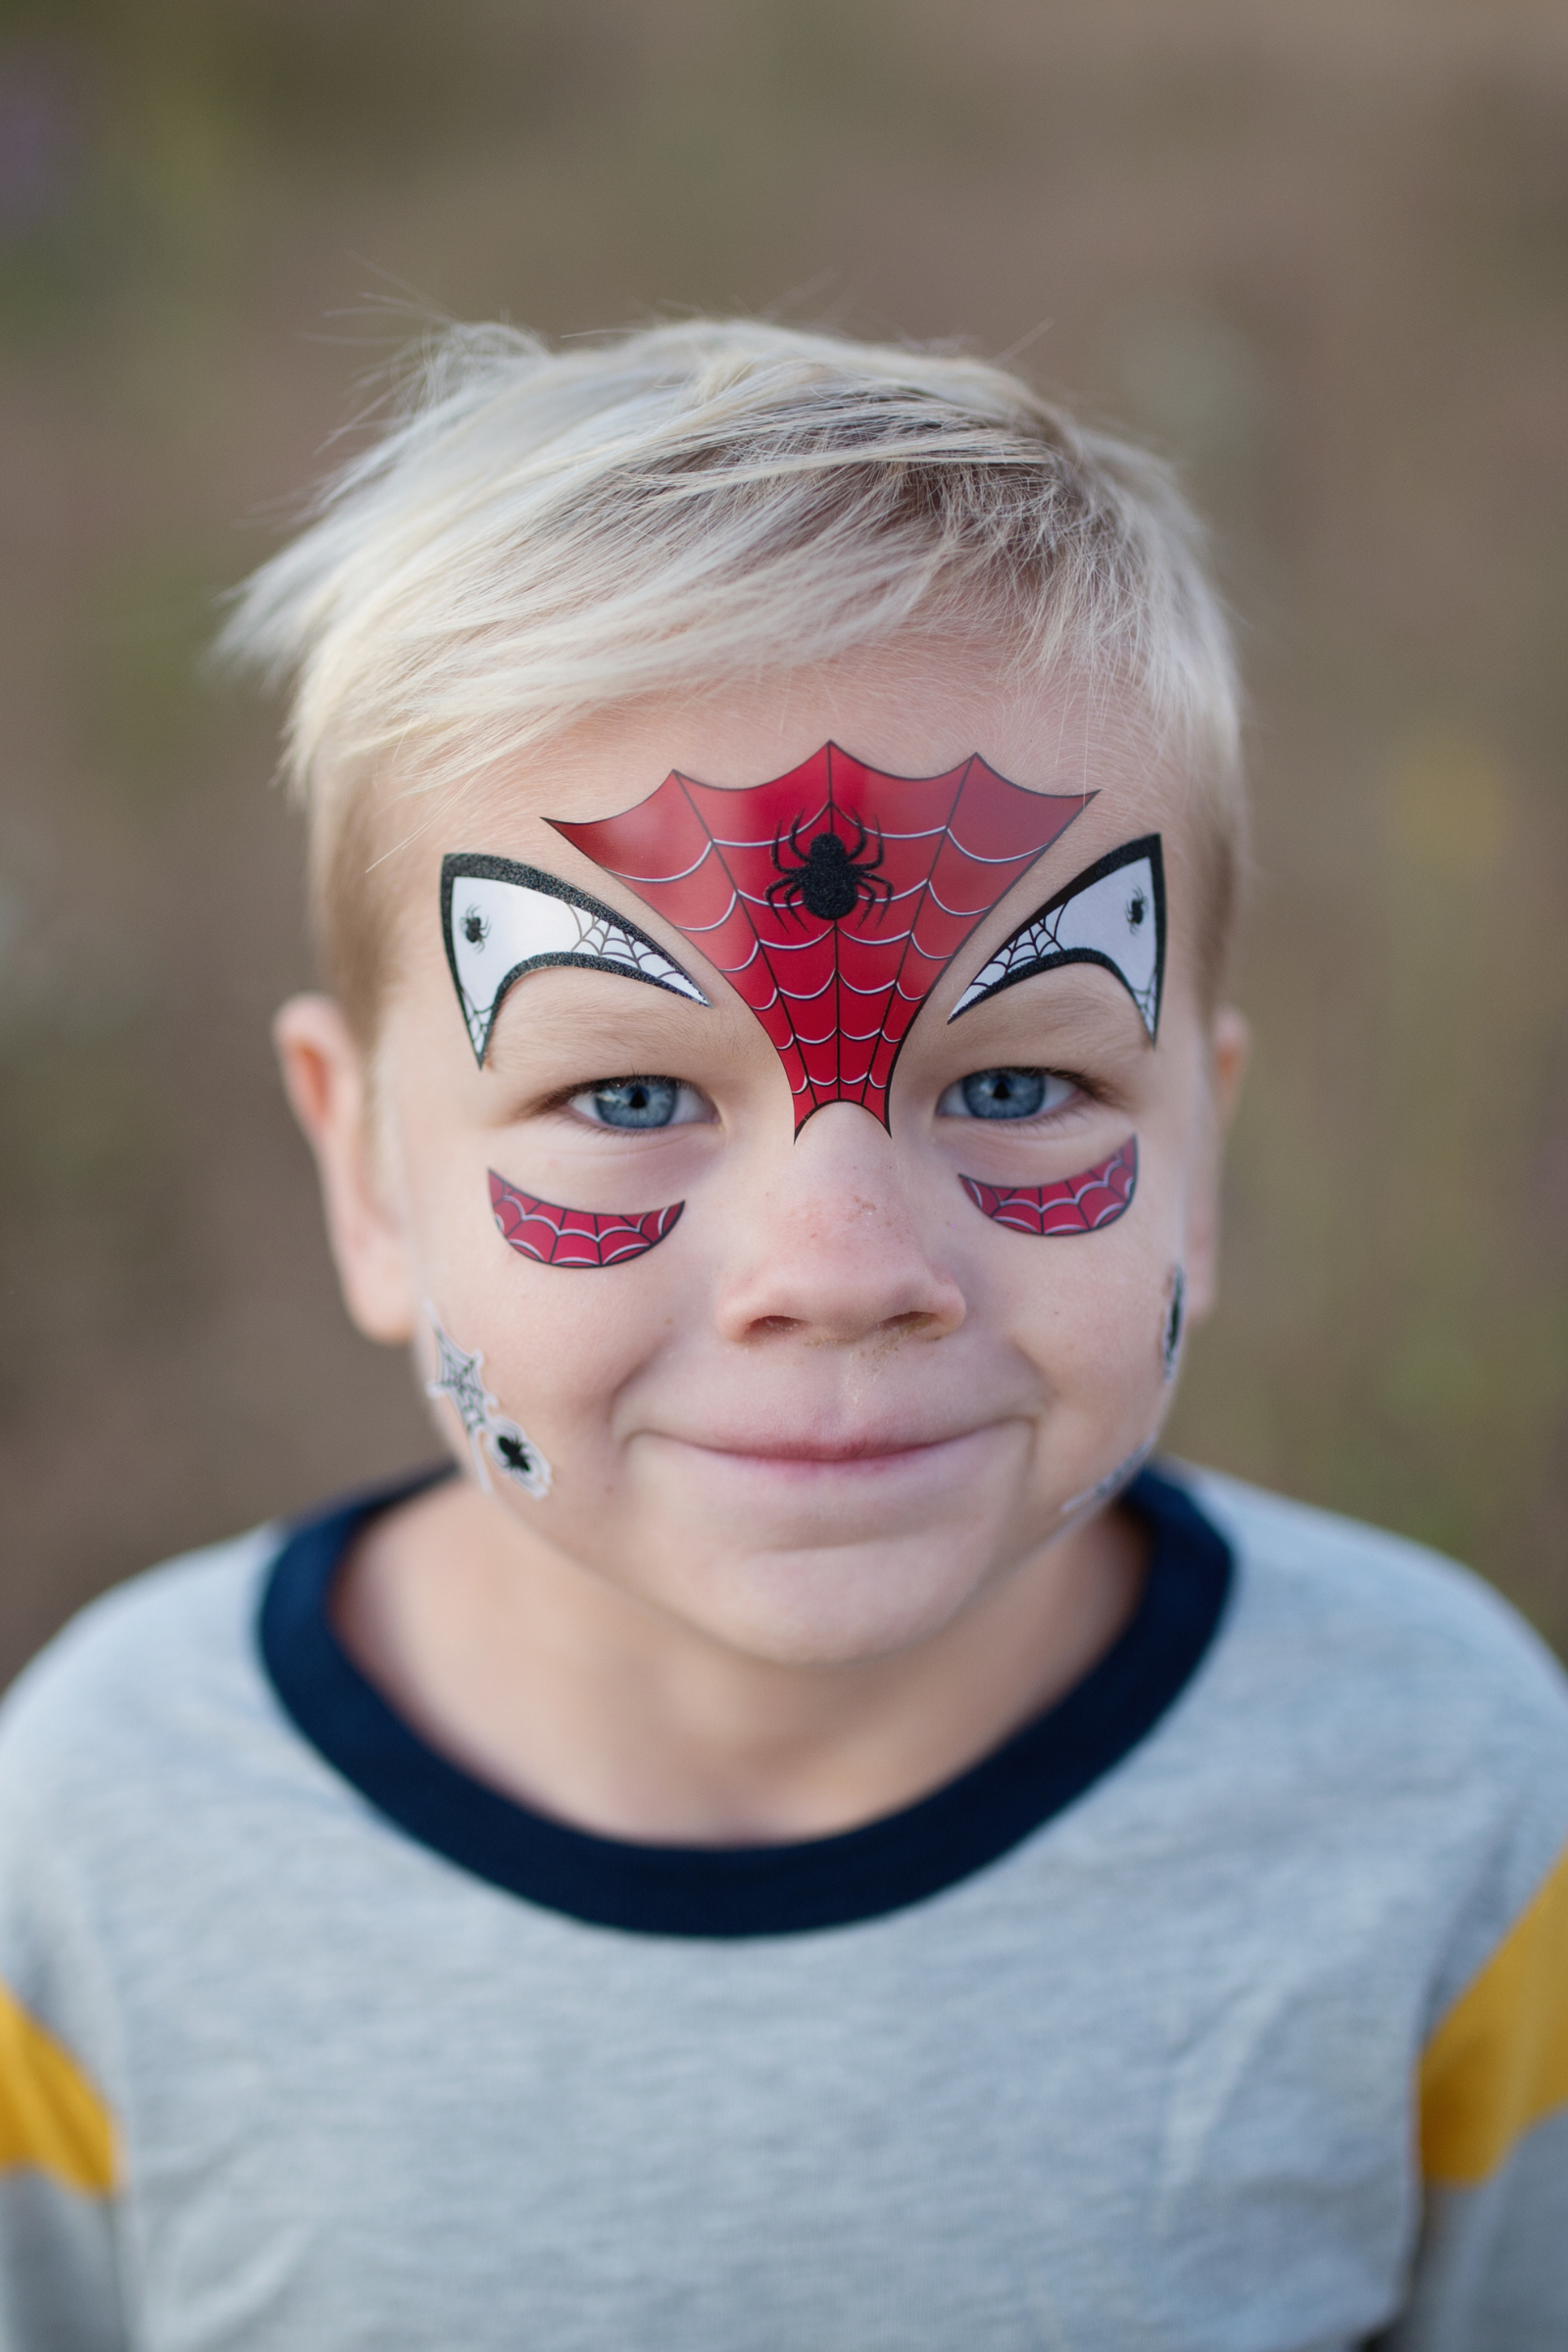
<point>636,1101</point>
<point>1004,1094</point>
<point>643,1104</point>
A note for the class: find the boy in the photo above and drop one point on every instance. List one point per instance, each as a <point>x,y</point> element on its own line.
<point>794,1838</point>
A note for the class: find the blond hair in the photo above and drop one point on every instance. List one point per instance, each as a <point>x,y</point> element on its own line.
<point>538,534</point>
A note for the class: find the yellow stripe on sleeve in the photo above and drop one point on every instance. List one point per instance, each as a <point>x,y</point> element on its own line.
<point>51,2118</point>
<point>1499,2062</point>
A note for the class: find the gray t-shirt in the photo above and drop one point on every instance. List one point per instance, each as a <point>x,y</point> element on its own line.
<point>1135,2036</point>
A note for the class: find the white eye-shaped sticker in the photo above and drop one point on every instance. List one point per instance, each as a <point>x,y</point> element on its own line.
<point>500,921</point>
<point>1113,913</point>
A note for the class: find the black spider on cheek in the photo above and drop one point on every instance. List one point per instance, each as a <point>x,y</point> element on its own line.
<point>475,930</point>
<point>828,877</point>
<point>516,1456</point>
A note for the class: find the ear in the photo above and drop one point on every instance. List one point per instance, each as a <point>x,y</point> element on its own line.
<point>1227,1049</point>
<point>327,1084</point>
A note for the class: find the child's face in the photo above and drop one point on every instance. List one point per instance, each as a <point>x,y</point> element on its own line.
<point>834,1399</point>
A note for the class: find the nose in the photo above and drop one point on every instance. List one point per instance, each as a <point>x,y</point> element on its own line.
<point>829,1247</point>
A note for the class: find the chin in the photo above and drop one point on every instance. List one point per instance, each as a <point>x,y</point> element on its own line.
<point>844,1606</point>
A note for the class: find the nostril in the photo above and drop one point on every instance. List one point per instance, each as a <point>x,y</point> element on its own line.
<point>778,1323</point>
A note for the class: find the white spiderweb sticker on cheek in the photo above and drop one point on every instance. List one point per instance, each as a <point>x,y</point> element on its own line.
<point>459,1379</point>
<point>500,921</point>
<point>1113,913</point>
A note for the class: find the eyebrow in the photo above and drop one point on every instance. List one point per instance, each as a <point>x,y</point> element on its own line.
<point>595,1024</point>
<point>1080,1012</point>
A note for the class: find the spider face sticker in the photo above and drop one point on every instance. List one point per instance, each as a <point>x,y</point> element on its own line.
<point>1170,1337</point>
<point>1078,1204</point>
<point>1113,913</point>
<point>500,921</point>
<point>832,899</point>
<point>574,1236</point>
<point>460,1378</point>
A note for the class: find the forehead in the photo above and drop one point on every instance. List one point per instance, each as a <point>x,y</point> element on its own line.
<point>912,710</point>
<point>908,711</point>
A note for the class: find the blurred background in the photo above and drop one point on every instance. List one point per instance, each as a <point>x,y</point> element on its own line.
<point>1316,250</point>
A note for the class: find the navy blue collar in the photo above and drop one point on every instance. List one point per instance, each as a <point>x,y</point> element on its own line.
<point>859,1874</point>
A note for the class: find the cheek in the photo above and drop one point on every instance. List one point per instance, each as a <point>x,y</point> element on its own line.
<point>1090,1307</point>
<point>559,1342</point>
<point>564,1305</point>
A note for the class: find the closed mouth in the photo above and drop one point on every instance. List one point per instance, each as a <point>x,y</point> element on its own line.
<point>864,1449</point>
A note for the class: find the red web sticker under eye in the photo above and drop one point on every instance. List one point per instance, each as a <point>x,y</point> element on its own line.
<point>1079,1205</point>
<point>576,1237</point>
<point>832,899</point>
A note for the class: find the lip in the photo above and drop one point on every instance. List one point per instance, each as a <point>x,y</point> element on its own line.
<point>842,1449</point>
<point>862,1452</point>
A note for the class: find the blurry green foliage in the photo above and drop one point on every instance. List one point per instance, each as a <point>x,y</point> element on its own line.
<point>1503,170</point>
<point>142,131</point>
<point>90,1191</point>
<point>352,80</point>
<point>146,706</point>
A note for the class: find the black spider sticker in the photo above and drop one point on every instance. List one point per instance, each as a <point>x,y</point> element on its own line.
<point>459,1379</point>
<point>829,878</point>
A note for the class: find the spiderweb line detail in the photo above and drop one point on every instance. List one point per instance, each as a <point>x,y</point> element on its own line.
<point>492,1437</point>
<point>1113,914</point>
<point>1078,1204</point>
<point>924,860</point>
<point>501,920</point>
<point>575,1238</point>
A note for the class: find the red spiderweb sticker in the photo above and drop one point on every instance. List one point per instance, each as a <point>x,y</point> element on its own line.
<point>1079,1205</point>
<point>574,1236</point>
<point>832,899</point>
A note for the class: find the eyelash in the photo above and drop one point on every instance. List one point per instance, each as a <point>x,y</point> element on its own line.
<point>564,1097</point>
<point>1082,1095</point>
<point>1084,1088</point>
